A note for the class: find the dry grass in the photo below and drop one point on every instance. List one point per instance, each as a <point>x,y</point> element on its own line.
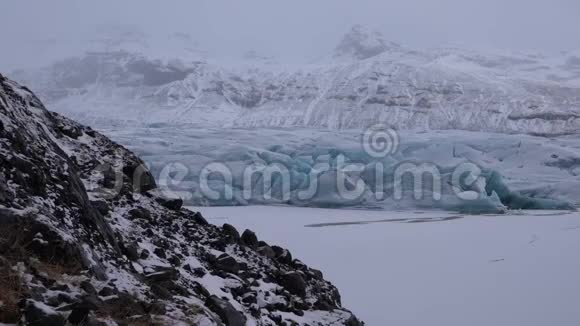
<point>140,322</point>
<point>14,249</point>
<point>196,309</point>
<point>109,314</point>
<point>15,246</point>
<point>12,243</point>
<point>11,288</point>
<point>11,291</point>
<point>56,271</point>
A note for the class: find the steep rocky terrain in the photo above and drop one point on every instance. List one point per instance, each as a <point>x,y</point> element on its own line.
<point>366,80</point>
<point>87,239</point>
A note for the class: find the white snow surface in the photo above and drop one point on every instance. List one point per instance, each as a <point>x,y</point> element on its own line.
<point>519,269</point>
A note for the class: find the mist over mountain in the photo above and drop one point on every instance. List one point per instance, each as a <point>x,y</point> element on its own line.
<point>296,31</point>
<point>126,76</point>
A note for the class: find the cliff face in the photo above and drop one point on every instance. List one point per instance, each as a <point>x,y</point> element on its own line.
<point>86,237</point>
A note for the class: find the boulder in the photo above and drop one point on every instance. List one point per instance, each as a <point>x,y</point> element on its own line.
<point>267,251</point>
<point>199,272</point>
<point>39,314</point>
<point>79,315</point>
<point>160,253</point>
<point>323,305</point>
<point>161,292</point>
<point>282,255</point>
<point>173,204</point>
<point>167,274</point>
<point>106,292</point>
<point>142,180</point>
<point>224,309</point>
<point>316,274</point>
<point>227,263</point>
<point>101,206</point>
<point>231,231</point>
<point>140,213</point>
<point>70,131</point>
<point>88,287</point>
<point>157,308</point>
<point>174,260</point>
<point>144,254</point>
<point>353,321</point>
<point>250,239</point>
<point>131,250</point>
<point>199,219</point>
<point>6,194</point>
<point>294,283</point>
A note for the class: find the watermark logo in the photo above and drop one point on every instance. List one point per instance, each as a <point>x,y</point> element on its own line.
<point>380,141</point>
<point>336,176</point>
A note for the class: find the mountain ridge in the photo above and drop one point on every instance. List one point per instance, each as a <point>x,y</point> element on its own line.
<point>369,80</point>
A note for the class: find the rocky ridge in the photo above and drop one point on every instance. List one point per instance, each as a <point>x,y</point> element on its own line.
<point>87,239</point>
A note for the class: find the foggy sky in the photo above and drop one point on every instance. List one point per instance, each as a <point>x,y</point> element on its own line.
<point>297,28</point>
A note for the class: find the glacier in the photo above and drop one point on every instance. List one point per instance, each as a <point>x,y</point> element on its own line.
<point>536,172</point>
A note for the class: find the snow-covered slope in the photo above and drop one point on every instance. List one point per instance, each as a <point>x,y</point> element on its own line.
<point>367,80</point>
<point>86,237</point>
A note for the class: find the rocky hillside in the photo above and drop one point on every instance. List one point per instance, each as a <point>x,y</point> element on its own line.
<point>86,239</point>
<point>366,80</point>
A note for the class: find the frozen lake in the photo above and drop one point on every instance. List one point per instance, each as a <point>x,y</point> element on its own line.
<point>432,268</point>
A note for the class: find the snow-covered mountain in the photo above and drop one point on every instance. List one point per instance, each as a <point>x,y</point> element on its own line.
<point>365,81</point>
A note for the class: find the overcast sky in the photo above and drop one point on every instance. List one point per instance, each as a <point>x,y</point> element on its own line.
<point>299,28</point>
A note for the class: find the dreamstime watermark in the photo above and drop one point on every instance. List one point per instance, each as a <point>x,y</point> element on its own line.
<point>379,141</point>
<point>335,177</point>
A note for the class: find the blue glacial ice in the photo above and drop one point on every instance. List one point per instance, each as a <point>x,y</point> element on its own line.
<point>331,169</point>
